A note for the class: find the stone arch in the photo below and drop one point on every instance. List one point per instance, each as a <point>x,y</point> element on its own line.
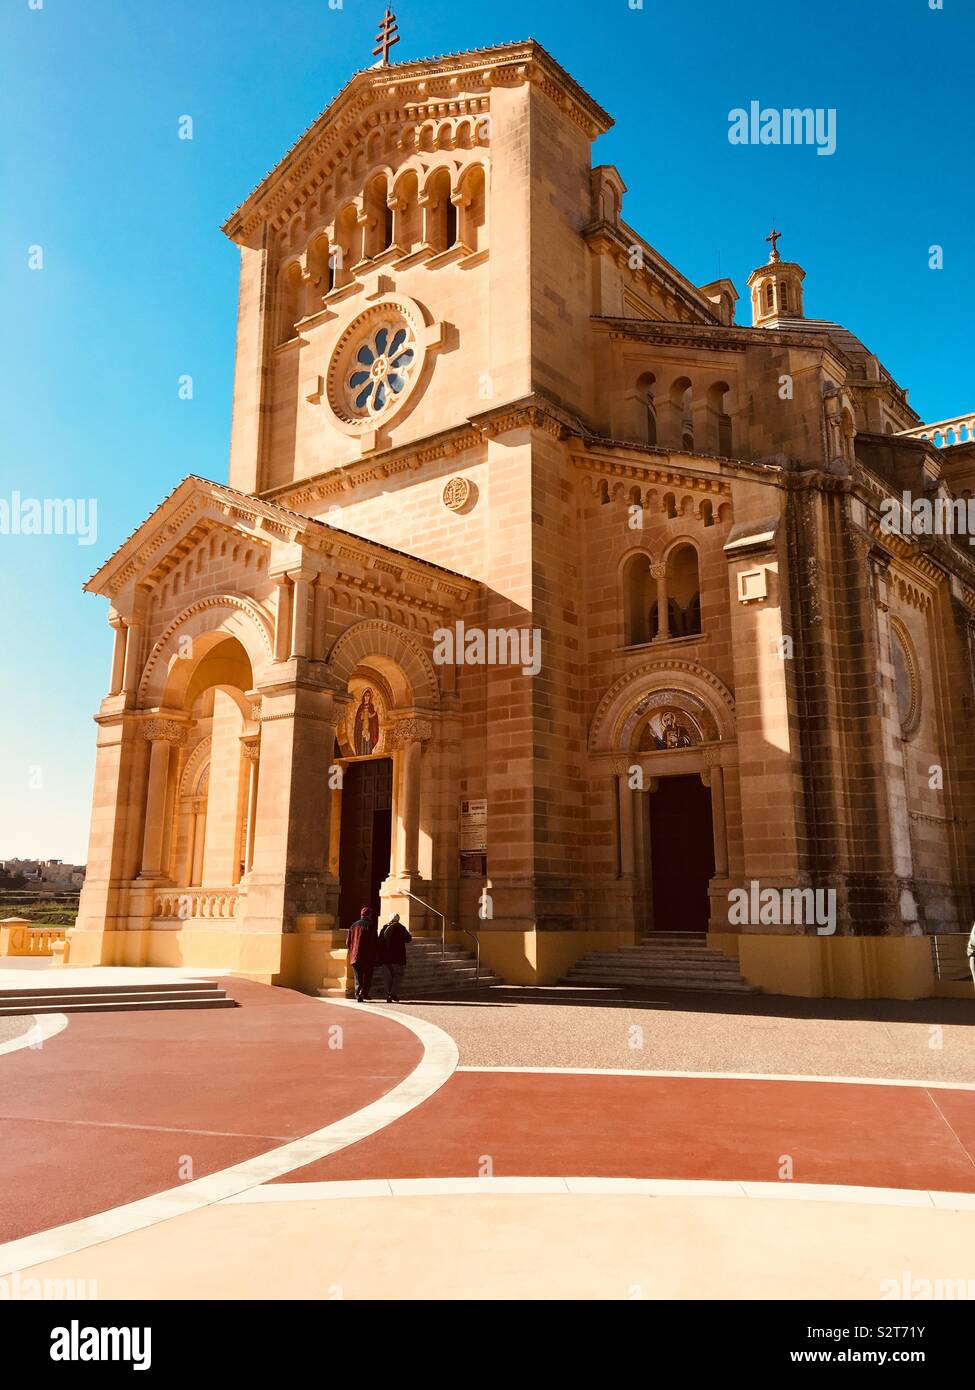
<point>194,767</point>
<point>395,652</point>
<point>624,695</point>
<point>206,622</point>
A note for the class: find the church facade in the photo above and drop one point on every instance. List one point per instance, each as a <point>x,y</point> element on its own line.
<point>542,595</point>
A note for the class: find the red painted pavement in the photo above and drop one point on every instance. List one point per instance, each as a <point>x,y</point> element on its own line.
<point>105,1112</point>
<point>634,1127</point>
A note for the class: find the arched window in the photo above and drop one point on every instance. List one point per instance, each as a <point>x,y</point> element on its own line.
<point>906,684</point>
<point>473,209</point>
<point>719,421</point>
<point>784,297</point>
<point>452,223</point>
<point>683,592</point>
<point>289,301</point>
<point>348,240</point>
<point>406,206</point>
<point>681,400</point>
<point>378,226</point>
<point>440,214</point>
<point>646,408</point>
<point>770,295</point>
<point>639,601</point>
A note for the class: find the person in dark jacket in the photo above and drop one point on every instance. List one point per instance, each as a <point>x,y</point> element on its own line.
<point>393,941</point>
<point>363,948</point>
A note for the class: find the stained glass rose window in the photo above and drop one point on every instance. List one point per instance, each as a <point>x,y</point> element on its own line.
<point>380,369</point>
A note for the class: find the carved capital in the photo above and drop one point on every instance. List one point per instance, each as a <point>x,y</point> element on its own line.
<point>658,571</point>
<point>166,731</point>
<point>251,749</point>
<point>410,730</point>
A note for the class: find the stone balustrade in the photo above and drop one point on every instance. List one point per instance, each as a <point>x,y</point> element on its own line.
<point>191,905</point>
<point>943,433</point>
<point>20,937</point>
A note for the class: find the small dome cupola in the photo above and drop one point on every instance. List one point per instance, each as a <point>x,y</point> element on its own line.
<point>776,289</point>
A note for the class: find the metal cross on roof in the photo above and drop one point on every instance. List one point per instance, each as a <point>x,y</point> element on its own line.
<point>773,238</point>
<point>387,36</point>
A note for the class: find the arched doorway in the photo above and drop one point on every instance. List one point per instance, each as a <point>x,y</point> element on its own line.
<point>666,730</point>
<point>382,843</point>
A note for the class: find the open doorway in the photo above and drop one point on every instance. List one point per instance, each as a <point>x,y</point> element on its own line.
<point>681,853</point>
<point>364,842</point>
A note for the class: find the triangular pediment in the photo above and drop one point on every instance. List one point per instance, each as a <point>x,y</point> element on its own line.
<point>411,86</point>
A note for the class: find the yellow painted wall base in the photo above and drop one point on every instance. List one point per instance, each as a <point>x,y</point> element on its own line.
<point>303,960</point>
<point>313,958</point>
<point>833,967</point>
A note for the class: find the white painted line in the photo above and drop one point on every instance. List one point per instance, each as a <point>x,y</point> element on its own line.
<point>45,1026</point>
<point>728,1076</point>
<point>606,1187</point>
<point>310,1192</point>
<point>435,1066</point>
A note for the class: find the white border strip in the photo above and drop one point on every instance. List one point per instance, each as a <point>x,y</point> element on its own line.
<point>608,1187</point>
<point>45,1026</point>
<point>728,1076</point>
<point>437,1064</point>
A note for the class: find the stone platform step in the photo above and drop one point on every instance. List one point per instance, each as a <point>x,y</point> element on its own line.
<point>190,994</point>
<point>663,960</point>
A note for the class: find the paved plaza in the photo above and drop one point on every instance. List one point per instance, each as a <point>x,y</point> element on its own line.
<point>528,1144</point>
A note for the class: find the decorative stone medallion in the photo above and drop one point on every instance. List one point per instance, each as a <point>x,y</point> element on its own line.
<point>456,494</point>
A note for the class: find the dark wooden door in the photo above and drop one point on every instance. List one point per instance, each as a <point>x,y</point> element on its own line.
<point>367,797</point>
<point>682,853</point>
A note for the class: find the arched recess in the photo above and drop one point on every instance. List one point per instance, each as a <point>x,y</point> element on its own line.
<point>683,588</point>
<point>639,598</point>
<point>168,672</point>
<point>617,717</point>
<point>394,652</point>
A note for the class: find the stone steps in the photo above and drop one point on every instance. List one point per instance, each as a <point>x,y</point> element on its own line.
<point>193,994</point>
<point>427,972</point>
<point>665,960</point>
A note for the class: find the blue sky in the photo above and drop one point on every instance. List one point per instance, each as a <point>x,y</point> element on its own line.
<point>138,285</point>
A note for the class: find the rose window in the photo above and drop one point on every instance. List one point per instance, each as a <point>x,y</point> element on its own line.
<point>381,369</point>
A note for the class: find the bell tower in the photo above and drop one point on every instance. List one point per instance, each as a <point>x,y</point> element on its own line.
<point>776,289</point>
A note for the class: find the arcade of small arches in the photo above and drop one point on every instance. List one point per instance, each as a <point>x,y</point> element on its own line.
<point>674,412</point>
<point>415,212</point>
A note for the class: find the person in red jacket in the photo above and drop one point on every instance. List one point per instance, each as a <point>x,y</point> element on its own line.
<point>362,946</point>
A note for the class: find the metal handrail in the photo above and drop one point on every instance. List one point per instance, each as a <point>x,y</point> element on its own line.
<point>443,932</point>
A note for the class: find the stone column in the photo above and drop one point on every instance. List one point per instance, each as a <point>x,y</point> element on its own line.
<point>659,573</point>
<point>300,610</point>
<point>251,749</point>
<point>199,839</point>
<point>133,670</point>
<point>713,777</point>
<point>625,800</point>
<point>282,626</point>
<point>409,735</point>
<point>162,735</point>
<point>118,653</point>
